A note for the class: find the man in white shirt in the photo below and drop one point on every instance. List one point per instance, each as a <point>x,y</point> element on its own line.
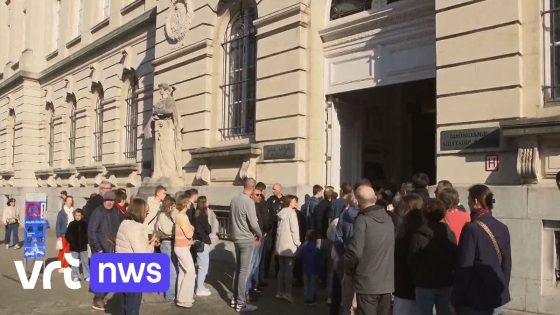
<point>154,205</point>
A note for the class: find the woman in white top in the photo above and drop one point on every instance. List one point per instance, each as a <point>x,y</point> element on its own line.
<point>63,219</point>
<point>287,243</point>
<point>11,219</point>
<point>132,238</point>
<point>164,229</point>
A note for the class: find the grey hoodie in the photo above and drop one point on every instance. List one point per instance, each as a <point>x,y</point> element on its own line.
<point>243,217</point>
<point>370,256</point>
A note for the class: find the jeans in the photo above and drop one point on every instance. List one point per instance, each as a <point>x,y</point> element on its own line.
<point>374,304</point>
<point>187,276</point>
<point>285,275</point>
<point>262,264</point>
<point>11,234</point>
<point>83,257</point>
<point>427,298</point>
<point>347,294</point>
<point>404,306</point>
<point>203,260</point>
<point>97,296</point>
<point>243,255</point>
<point>130,303</point>
<point>310,288</point>
<point>167,248</point>
<point>253,280</point>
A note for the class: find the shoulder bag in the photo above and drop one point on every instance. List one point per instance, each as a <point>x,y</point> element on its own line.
<point>493,239</point>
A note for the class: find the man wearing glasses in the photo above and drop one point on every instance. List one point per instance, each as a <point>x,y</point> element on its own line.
<point>253,280</point>
<point>97,200</point>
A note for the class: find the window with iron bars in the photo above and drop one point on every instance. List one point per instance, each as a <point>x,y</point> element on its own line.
<point>551,23</point>
<point>342,8</point>
<point>50,113</point>
<point>72,134</point>
<point>131,126</point>
<point>240,51</point>
<point>98,133</point>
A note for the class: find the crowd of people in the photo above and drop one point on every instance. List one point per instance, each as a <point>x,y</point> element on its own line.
<point>373,251</point>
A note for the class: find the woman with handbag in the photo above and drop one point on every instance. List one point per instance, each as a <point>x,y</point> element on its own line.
<point>202,233</point>
<point>10,218</point>
<point>63,219</point>
<point>184,232</point>
<point>164,230</point>
<point>132,238</point>
<point>482,278</point>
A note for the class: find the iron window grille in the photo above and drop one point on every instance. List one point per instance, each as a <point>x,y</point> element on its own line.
<point>72,135</point>
<point>98,133</point>
<point>50,112</point>
<point>552,18</point>
<point>131,126</point>
<point>342,8</point>
<point>239,89</point>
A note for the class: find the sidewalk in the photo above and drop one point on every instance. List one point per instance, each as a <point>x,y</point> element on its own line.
<point>61,300</point>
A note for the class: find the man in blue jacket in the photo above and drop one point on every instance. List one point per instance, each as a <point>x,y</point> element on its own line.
<point>102,233</point>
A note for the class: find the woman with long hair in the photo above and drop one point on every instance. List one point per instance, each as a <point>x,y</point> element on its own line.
<point>482,279</point>
<point>63,219</point>
<point>164,229</point>
<point>287,243</point>
<point>184,233</point>
<point>410,217</point>
<point>132,237</point>
<point>202,231</point>
<point>10,218</point>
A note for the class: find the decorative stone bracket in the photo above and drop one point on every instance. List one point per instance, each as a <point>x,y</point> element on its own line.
<point>7,178</point>
<point>528,161</point>
<point>203,174</point>
<point>46,178</point>
<point>130,170</point>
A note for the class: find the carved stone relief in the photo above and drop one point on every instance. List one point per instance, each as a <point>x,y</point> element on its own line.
<point>178,21</point>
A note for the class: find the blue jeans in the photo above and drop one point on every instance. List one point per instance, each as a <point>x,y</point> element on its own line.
<point>130,303</point>
<point>83,257</point>
<point>253,280</point>
<point>426,299</point>
<point>203,260</point>
<point>262,264</point>
<point>11,234</point>
<point>167,248</point>
<point>310,288</point>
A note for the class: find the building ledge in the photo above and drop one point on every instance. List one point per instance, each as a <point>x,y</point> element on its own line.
<point>90,169</point>
<point>45,172</point>
<point>7,173</point>
<point>74,41</point>
<point>65,171</point>
<point>52,55</point>
<point>131,6</point>
<point>531,126</point>
<point>226,151</point>
<point>100,25</point>
<point>122,167</point>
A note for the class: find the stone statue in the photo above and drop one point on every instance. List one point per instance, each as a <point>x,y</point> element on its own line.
<point>165,124</point>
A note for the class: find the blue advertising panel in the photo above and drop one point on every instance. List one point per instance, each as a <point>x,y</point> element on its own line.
<point>34,243</point>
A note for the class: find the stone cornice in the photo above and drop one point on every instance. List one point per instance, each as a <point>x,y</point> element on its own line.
<point>82,54</point>
<point>298,8</point>
<point>531,126</point>
<point>368,23</point>
<point>227,151</point>
<point>200,45</point>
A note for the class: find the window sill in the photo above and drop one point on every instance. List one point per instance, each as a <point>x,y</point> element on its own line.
<point>100,25</point>
<point>65,171</point>
<point>226,151</point>
<point>44,173</point>
<point>74,41</point>
<point>90,169</point>
<point>7,173</point>
<point>131,6</point>
<point>122,167</point>
<point>52,55</point>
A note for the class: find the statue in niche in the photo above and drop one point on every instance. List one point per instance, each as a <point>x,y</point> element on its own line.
<point>165,125</point>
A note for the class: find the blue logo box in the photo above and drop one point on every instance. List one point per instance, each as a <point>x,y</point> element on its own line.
<point>129,272</point>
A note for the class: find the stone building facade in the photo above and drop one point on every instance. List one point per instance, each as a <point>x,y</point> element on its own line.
<point>298,92</point>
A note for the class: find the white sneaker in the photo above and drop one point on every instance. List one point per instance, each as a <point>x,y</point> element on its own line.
<point>247,308</point>
<point>61,270</point>
<point>203,292</point>
<point>75,279</point>
<point>7,246</point>
<point>87,279</point>
<point>17,246</point>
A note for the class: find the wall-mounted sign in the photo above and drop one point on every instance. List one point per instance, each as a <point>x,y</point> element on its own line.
<point>279,151</point>
<point>492,163</point>
<point>469,139</point>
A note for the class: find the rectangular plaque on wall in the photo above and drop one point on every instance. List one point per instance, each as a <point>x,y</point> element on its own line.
<point>280,151</point>
<point>469,139</point>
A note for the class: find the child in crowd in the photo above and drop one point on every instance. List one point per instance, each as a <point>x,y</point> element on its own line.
<point>77,236</point>
<point>310,256</point>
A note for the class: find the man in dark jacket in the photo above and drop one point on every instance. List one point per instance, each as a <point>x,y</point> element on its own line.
<point>312,202</point>
<point>320,224</point>
<point>275,203</point>
<point>102,233</point>
<point>95,202</point>
<point>369,257</point>
<point>267,218</point>
<point>420,181</point>
<point>77,237</point>
<point>253,280</point>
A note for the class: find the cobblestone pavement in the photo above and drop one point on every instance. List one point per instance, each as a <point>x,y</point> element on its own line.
<point>14,300</point>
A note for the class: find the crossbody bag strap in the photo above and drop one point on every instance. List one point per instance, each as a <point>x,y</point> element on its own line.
<point>492,238</point>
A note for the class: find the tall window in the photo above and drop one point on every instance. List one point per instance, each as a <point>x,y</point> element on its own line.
<point>131,126</point>
<point>552,51</point>
<point>12,124</point>
<point>55,24</point>
<point>98,133</point>
<point>72,132</point>
<point>76,17</point>
<point>103,7</point>
<point>240,50</point>
<point>50,120</point>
